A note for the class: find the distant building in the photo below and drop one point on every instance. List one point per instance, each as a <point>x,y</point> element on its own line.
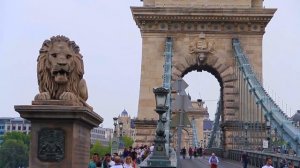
<point>19,124</point>
<point>3,120</point>
<point>9,124</point>
<point>103,135</point>
<point>198,113</point>
<point>207,129</point>
<point>128,125</point>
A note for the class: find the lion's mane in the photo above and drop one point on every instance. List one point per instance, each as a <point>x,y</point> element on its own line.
<point>46,82</point>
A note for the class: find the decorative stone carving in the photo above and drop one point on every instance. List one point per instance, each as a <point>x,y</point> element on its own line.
<point>51,144</point>
<point>196,20</point>
<point>201,48</point>
<point>60,72</point>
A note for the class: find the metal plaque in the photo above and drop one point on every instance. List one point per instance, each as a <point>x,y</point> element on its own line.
<point>51,144</point>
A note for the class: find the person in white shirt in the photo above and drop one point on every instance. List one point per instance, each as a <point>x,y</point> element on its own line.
<point>268,163</point>
<point>128,162</point>
<point>152,148</point>
<point>107,161</point>
<point>118,163</point>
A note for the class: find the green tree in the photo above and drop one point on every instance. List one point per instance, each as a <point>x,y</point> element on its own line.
<point>96,148</point>
<point>19,136</point>
<point>128,141</point>
<point>100,149</point>
<point>14,151</point>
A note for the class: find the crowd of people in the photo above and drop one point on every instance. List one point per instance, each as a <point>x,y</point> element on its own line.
<point>283,163</point>
<point>192,152</point>
<point>213,160</point>
<point>129,158</point>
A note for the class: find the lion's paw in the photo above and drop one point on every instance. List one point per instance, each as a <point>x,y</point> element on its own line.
<point>68,96</point>
<point>42,96</point>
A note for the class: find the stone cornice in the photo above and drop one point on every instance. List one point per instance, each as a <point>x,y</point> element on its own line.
<point>194,11</point>
<point>148,122</point>
<point>59,112</point>
<point>226,21</point>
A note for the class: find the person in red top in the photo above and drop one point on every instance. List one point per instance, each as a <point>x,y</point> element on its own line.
<point>213,161</point>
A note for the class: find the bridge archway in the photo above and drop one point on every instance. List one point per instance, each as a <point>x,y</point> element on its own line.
<point>223,71</point>
<point>185,142</point>
<point>202,39</point>
<point>222,68</point>
<point>204,91</point>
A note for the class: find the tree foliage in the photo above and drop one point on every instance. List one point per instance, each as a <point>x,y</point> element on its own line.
<point>19,136</point>
<point>100,149</point>
<point>128,141</point>
<point>14,151</point>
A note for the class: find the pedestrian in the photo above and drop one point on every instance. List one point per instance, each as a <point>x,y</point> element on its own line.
<point>118,163</point>
<point>291,165</point>
<point>126,153</point>
<point>95,162</point>
<point>190,152</point>
<point>213,161</point>
<point>133,156</point>
<point>195,152</point>
<point>107,161</point>
<point>151,148</point>
<point>283,163</point>
<point>244,159</point>
<point>128,162</point>
<point>183,152</point>
<point>268,163</point>
<point>199,151</point>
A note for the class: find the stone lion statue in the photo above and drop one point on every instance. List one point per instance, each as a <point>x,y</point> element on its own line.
<point>60,72</point>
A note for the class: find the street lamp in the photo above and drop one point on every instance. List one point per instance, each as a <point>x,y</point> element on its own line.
<point>268,127</point>
<point>115,142</point>
<point>159,157</point>
<point>115,124</point>
<point>246,135</point>
<point>121,128</point>
<point>121,143</point>
<point>204,140</point>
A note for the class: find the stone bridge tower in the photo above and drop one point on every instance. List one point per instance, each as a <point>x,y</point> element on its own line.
<point>202,32</point>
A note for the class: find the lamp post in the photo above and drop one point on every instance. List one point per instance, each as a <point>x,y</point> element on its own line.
<point>268,127</point>
<point>121,128</point>
<point>204,140</point>
<point>121,143</point>
<point>159,157</point>
<point>246,135</point>
<point>115,124</point>
<point>115,141</point>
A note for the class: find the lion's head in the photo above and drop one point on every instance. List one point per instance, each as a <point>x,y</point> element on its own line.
<point>60,67</point>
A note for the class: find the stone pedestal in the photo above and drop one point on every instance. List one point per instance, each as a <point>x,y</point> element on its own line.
<point>60,135</point>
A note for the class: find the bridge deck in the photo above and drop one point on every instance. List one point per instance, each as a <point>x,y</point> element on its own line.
<point>203,162</point>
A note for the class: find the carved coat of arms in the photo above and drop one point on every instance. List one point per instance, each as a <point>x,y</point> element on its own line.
<point>201,48</point>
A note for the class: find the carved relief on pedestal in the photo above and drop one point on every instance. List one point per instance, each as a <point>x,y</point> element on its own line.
<point>201,48</point>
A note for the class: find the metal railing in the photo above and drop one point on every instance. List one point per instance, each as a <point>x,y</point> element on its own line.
<point>195,135</point>
<point>167,84</point>
<point>216,124</point>
<point>272,112</point>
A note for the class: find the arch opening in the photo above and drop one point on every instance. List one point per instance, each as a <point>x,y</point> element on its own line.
<point>205,84</point>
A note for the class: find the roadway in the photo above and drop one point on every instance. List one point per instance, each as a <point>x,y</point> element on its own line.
<point>203,163</point>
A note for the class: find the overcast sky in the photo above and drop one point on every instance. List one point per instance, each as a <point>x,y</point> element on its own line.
<point>110,43</point>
